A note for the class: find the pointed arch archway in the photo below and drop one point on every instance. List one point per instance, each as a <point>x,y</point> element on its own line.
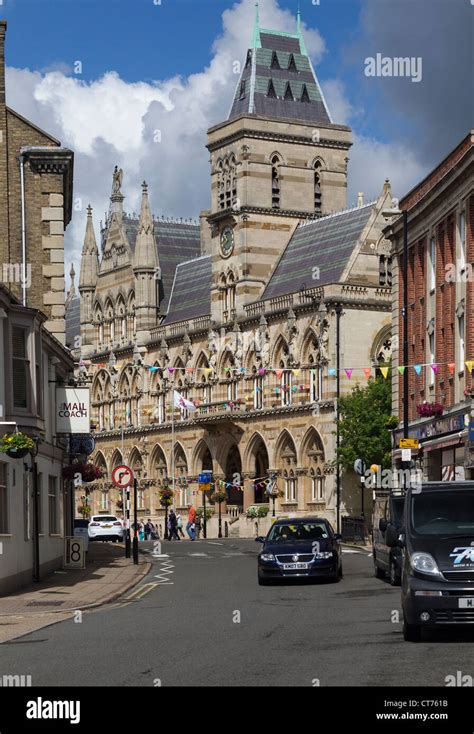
<point>257,461</point>
<point>286,458</point>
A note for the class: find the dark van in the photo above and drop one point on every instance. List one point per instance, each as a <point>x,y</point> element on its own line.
<point>438,566</point>
<point>388,511</point>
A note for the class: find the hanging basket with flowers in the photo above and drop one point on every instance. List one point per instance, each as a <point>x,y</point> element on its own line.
<point>89,472</point>
<point>84,510</point>
<point>429,410</point>
<point>166,497</point>
<point>16,445</point>
<point>218,496</point>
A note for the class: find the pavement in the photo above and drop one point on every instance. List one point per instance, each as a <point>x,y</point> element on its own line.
<point>199,618</point>
<point>107,576</point>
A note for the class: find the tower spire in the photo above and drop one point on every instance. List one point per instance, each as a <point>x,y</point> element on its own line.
<point>90,256</point>
<point>300,32</point>
<point>256,29</point>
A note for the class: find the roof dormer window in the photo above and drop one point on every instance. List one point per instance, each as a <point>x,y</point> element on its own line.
<point>275,63</point>
<point>304,94</point>
<point>292,63</point>
<point>289,93</point>
<point>271,90</point>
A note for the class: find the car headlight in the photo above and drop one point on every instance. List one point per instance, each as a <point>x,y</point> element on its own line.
<point>323,554</point>
<point>424,563</point>
<point>267,557</point>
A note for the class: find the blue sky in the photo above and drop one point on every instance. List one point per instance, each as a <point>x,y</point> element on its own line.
<point>168,67</point>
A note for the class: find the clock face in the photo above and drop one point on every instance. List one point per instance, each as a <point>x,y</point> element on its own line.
<point>227,241</point>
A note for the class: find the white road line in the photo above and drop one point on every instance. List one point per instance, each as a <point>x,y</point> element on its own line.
<point>212,543</point>
<point>201,555</point>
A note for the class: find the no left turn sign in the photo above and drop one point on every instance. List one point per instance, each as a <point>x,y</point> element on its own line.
<point>122,476</point>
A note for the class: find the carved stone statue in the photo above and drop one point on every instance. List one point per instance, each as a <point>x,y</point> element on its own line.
<point>117,180</point>
<point>213,348</point>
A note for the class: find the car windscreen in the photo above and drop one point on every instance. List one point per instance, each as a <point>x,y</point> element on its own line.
<point>104,518</point>
<point>292,532</point>
<point>443,512</point>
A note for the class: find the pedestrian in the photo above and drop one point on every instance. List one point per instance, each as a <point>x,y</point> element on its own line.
<point>191,524</point>
<point>179,524</point>
<point>149,528</point>
<point>198,526</point>
<point>173,533</point>
<point>141,532</point>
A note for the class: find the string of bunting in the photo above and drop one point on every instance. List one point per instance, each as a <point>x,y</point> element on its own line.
<point>332,371</point>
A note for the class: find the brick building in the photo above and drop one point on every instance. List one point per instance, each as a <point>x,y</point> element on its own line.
<point>35,209</point>
<point>440,314</point>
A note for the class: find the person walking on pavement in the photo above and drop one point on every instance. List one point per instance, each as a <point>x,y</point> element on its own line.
<point>191,524</point>
<point>149,528</point>
<point>173,526</point>
<point>179,524</point>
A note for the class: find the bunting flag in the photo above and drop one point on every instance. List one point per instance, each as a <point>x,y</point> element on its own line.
<point>401,369</point>
<point>171,370</point>
<point>367,372</point>
<point>470,365</point>
<point>417,368</point>
<point>384,371</point>
<point>296,372</point>
<point>261,372</point>
<point>279,373</point>
<point>331,371</point>
<point>435,368</point>
<point>451,367</point>
<point>348,373</point>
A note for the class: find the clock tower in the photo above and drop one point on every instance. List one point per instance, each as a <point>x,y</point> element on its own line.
<point>277,160</point>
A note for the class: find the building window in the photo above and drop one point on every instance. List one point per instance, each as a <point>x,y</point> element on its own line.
<point>21,367</point>
<point>315,384</point>
<point>275,63</point>
<point>304,94</point>
<point>243,85</point>
<point>317,486</point>
<point>286,387</point>
<point>289,94</point>
<point>432,357</point>
<point>291,488</point>
<point>53,505</point>
<point>104,500</point>
<point>38,375</point>
<point>141,499</point>
<point>462,350</point>
<point>432,264</point>
<point>275,183</point>
<point>292,64</point>
<point>318,204</point>
<point>462,240</point>
<point>271,90</point>
<point>232,390</point>
<point>3,500</point>
<point>258,392</point>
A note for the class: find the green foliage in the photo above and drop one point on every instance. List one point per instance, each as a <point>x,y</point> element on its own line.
<point>365,423</point>
<point>200,511</point>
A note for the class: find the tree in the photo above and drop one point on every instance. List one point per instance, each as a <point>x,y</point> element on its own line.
<point>365,421</point>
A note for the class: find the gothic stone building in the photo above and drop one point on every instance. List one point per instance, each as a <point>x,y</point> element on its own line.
<point>239,313</point>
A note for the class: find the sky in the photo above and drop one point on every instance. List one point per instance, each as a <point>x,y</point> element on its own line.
<point>137,83</point>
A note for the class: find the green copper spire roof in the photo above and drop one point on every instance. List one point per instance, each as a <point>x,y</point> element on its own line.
<point>299,32</point>
<point>256,43</point>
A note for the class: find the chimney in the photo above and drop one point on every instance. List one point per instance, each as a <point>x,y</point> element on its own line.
<point>360,199</point>
<point>3,30</point>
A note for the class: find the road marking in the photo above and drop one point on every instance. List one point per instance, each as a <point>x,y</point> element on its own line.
<point>202,555</point>
<point>234,554</point>
<point>346,551</point>
<point>212,543</point>
<point>141,591</point>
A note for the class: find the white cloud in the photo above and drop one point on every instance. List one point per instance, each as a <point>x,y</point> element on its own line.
<point>157,131</point>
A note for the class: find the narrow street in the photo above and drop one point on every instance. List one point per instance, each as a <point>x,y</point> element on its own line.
<point>200,618</point>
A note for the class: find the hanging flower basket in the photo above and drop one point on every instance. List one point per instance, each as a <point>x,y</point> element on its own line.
<point>166,497</point>
<point>429,410</point>
<point>89,472</point>
<point>84,510</point>
<point>16,445</point>
<point>219,496</point>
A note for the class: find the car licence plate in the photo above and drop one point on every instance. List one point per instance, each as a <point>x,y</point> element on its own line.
<point>466,602</point>
<point>106,526</point>
<point>293,566</point>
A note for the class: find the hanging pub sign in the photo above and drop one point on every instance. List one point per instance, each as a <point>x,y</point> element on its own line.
<point>72,410</point>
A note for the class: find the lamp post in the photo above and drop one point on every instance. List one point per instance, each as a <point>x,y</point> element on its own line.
<point>135,515</point>
<point>36,551</point>
<point>388,213</point>
<point>338,312</point>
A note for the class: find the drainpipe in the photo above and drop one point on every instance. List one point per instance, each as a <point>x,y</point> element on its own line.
<point>23,228</point>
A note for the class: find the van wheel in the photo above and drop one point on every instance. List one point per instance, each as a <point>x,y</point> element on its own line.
<point>411,632</point>
<point>379,573</point>
<point>394,574</point>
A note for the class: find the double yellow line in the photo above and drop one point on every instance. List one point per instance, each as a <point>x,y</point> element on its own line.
<point>141,592</point>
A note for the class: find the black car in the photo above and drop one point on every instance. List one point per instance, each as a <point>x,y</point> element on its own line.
<point>438,567</point>
<point>300,548</point>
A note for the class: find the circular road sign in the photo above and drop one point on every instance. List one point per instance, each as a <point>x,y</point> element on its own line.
<point>122,476</point>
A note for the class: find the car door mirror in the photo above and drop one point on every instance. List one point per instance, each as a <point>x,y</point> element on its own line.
<point>260,539</point>
<point>392,536</point>
<point>382,524</point>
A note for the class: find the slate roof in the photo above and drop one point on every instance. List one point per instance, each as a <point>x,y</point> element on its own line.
<point>176,242</point>
<point>73,321</point>
<point>191,292</point>
<point>268,63</point>
<point>326,243</point>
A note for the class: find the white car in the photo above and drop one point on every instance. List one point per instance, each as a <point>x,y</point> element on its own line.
<point>105,527</point>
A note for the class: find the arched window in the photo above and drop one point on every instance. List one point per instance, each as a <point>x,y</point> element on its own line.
<point>275,183</point>
<point>318,491</point>
<point>99,321</point>
<point>318,203</point>
<point>291,486</point>
<point>258,389</point>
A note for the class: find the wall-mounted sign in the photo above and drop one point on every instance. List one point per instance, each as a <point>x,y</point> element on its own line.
<point>72,410</point>
<point>409,443</point>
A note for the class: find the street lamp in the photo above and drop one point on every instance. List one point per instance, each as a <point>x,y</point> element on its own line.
<point>388,213</point>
